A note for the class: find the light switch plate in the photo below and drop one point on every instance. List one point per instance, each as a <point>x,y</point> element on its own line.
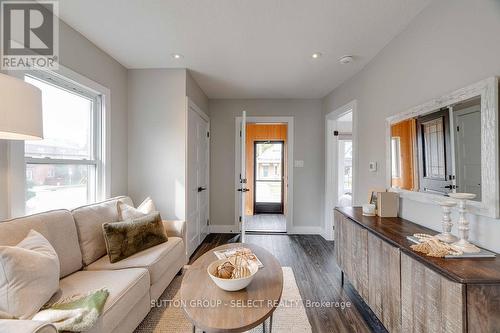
<point>372,166</point>
<point>299,163</point>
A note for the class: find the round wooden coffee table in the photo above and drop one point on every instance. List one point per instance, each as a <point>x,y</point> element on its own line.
<point>212,309</point>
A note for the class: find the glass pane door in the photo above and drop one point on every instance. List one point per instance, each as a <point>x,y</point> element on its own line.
<point>268,177</point>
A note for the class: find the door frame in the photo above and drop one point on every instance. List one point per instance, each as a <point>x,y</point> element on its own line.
<point>190,104</point>
<point>331,157</point>
<point>288,211</point>
<point>255,143</point>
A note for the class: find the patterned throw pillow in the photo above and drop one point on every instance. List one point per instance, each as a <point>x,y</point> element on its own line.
<point>126,238</point>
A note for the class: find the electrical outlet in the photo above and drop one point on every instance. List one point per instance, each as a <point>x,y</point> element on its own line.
<point>372,166</point>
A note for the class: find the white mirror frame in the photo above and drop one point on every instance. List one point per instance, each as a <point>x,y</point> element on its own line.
<point>490,189</point>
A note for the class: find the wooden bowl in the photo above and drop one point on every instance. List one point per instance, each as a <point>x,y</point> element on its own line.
<point>231,284</point>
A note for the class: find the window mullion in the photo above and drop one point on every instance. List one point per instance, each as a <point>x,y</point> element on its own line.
<point>36,160</point>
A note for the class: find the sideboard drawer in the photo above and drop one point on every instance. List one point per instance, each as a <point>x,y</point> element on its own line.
<point>430,302</point>
<point>351,249</point>
<point>384,282</point>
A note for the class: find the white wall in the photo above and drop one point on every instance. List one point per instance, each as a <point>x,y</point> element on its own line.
<point>156,142</point>
<point>80,55</point>
<point>450,44</point>
<point>308,146</point>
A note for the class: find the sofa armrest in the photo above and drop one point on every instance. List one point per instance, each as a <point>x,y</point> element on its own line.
<point>26,326</point>
<point>175,229</point>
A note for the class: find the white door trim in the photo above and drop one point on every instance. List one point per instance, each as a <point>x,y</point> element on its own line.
<point>266,119</point>
<point>331,171</point>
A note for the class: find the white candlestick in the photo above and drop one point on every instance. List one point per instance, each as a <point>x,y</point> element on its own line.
<point>463,225</point>
<point>446,222</point>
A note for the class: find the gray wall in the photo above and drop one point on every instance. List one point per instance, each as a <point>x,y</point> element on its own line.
<point>308,146</point>
<point>156,142</point>
<point>194,92</point>
<point>83,57</point>
<point>451,44</point>
<point>80,55</point>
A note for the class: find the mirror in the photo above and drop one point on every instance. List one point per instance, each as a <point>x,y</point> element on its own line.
<point>448,144</point>
<point>403,158</point>
<point>439,152</point>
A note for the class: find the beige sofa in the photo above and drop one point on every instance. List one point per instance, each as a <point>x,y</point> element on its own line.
<point>133,283</point>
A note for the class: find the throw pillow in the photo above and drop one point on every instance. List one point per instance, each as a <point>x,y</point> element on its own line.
<point>126,238</point>
<point>29,275</point>
<point>128,212</point>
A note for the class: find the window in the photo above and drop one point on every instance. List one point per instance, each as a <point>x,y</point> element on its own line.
<point>64,170</point>
<point>433,133</point>
<point>265,171</point>
<point>396,157</point>
<point>345,166</point>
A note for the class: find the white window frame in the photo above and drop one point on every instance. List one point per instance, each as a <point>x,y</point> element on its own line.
<point>102,140</point>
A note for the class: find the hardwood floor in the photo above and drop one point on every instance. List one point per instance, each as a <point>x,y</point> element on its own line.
<point>266,223</point>
<point>318,278</point>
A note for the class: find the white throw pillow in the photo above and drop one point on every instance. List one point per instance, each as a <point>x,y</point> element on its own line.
<point>128,212</point>
<point>29,276</point>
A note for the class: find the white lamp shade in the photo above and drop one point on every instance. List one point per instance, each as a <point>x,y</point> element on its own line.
<point>20,110</point>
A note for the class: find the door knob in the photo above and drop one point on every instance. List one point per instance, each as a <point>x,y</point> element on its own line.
<point>201,188</point>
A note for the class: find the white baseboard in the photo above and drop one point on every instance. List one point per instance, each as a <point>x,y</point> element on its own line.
<point>304,230</point>
<point>223,229</point>
<point>300,230</point>
<point>328,236</point>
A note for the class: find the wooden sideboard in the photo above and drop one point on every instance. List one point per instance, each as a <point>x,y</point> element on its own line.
<point>408,291</point>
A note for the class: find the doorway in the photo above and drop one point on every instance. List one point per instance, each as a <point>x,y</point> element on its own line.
<point>268,177</point>
<point>198,157</point>
<point>467,147</point>
<point>268,151</point>
<point>340,162</point>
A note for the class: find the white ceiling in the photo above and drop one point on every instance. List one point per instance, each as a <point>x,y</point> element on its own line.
<point>245,48</point>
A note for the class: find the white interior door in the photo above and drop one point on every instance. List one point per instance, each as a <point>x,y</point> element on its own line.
<point>197,178</point>
<point>243,181</point>
<point>468,150</point>
<point>203,175</point>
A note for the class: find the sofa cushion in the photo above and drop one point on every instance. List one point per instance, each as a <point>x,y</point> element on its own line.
<point>127,238</point>
<point>26,326</point>
<point>129,212</point>
<point>89,220</point>
<point>156,259</point>
<point>57,226</point>
<point>126,287</point>
<point>29,275</point>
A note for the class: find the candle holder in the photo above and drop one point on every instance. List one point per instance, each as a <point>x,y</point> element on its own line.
<point>446,222</point>
<point>463,225</point>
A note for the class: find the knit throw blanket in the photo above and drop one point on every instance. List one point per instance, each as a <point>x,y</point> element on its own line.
<point>76,313</point>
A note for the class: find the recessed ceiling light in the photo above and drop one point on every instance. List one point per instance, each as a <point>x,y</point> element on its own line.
<point>177,56</point>
<point>316,55</point>
<point>346,59</point>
